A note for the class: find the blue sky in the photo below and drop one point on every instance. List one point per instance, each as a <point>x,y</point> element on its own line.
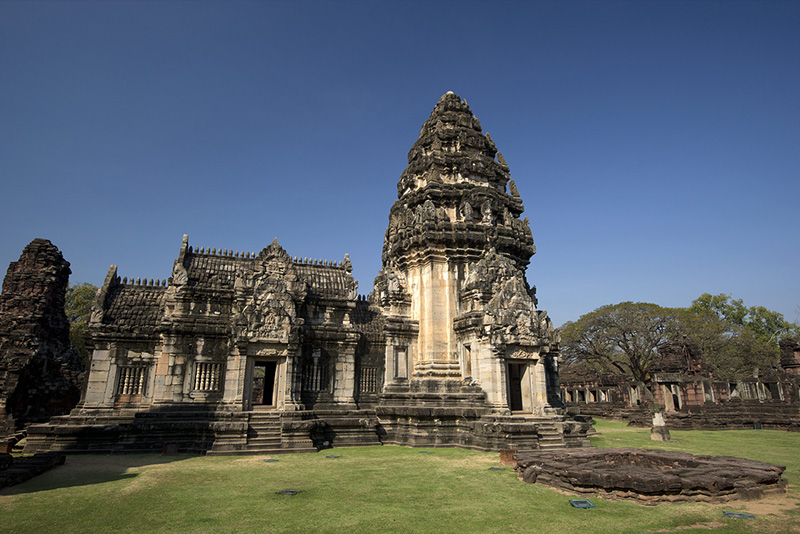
<point>656,145</point>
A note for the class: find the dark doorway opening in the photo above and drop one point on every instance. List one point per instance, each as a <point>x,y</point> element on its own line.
<point>515,373</point>
<point>264,383</point>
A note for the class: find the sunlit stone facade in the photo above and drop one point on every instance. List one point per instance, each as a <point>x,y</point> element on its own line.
<point>262,352</point>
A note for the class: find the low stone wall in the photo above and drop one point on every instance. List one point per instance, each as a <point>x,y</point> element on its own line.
<point>635,416</point>
<point>733,415</point>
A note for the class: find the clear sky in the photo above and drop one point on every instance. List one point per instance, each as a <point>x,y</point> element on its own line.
<point>656,145</point>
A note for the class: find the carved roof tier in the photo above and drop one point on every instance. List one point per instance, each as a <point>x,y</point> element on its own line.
<point>452,197</point>
<point>452,149</point>
<point>368,320</point>
<point>134,306</point>
<point>326,279</point>
<point>214,271</point>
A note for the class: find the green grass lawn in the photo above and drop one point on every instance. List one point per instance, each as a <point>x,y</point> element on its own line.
<point>375,489</point>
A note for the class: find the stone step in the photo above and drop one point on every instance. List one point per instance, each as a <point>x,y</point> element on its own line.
<point>551,446</point>
<point>551,439</point>
<point>548,432</point>
<point>253,435</point>
<point>263,442</point>
<point>262,433</point>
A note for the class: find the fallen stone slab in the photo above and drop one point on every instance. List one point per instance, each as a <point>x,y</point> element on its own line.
<point>651,476</point>
<point>26,467</point>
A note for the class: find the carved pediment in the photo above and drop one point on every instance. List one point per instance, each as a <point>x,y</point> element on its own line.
<point>266,296</point>
<point>514,319</point>
<point>390,285</point>
<point>274,254</point>
<point>488,274</point>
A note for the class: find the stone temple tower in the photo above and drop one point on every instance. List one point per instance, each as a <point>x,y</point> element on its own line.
<point>461,324</point>
<point>245,353</point>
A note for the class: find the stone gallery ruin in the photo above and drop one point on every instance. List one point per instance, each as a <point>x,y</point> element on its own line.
<point>265,352</point>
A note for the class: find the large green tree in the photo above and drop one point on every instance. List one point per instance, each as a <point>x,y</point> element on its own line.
<point>735,340</point>
<point>78,306</point>
<point>732,339</point>
<point>622,338</point>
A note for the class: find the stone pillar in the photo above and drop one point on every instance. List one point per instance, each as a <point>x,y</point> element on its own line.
<point>344,383</point>
<point>493,378</point>
<point>292,382</point>
<point>433,296</point>
<point>540,401</point>
<point>235,367</point>
<point>100,379</point>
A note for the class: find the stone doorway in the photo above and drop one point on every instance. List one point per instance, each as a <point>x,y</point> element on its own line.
<point>519,390</point>
<point>263,392</point>
<point>672,397</point>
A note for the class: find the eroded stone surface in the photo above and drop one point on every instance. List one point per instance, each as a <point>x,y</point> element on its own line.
<point>39,373</point>
<point>651,476</point>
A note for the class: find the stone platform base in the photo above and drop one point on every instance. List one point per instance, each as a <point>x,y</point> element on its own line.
<point>179,429</point>
<point>450,413</point>
<point>25,468</point>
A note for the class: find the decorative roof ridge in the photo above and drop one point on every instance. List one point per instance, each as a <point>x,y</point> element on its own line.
<point>144,282</point>
<point>344,264</point>
<point>312,262</point>
<point>221,253</point>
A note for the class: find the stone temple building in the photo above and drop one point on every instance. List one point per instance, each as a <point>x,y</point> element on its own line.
<point>265,352</point>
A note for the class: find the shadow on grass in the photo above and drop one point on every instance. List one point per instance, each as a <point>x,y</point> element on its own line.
<point>84,470</point>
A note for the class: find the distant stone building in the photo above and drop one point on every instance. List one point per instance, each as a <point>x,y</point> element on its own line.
<point>245,352</point>
<point>39,374</point>
<point>692,397</point>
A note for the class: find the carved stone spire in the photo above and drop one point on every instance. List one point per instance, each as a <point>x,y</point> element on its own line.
<point>453,194</point>
<point>452,149</point>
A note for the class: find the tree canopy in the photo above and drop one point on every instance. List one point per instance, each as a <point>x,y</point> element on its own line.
<point>78,307</point>
<point>733,340</point>
<point>622,337</point>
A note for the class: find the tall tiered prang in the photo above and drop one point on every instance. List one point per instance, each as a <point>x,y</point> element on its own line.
<point>461,320</point>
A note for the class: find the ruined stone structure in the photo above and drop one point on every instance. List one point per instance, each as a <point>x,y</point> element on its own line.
<point>790,356</point>
<point>690,394</point>
<point>39,373</point>
<point>651,476</point>
<point>242,352</point>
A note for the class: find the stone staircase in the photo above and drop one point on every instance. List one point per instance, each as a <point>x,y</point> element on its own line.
<point>550,437</point>
<point>263,433</point>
